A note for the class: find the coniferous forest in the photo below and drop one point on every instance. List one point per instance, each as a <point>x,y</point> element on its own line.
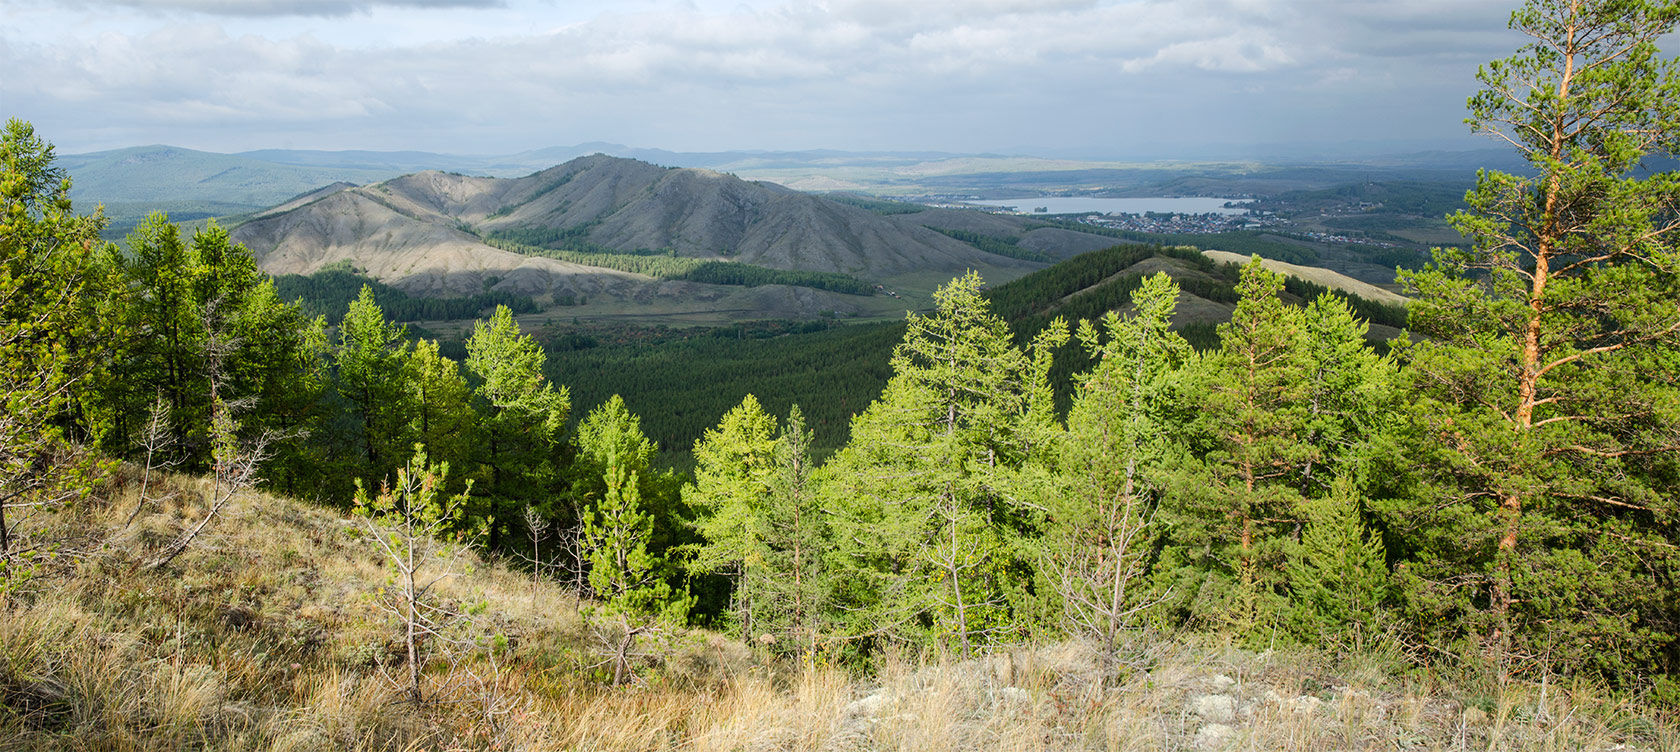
<point>1494,493</point>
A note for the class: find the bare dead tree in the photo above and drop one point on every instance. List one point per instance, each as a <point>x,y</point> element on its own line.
<point>158,441</point>
<point>536,527</point>
<point>235,460</point>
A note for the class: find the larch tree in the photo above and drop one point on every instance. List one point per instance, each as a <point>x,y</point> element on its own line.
<point>441,415</point>
<point>796,532</point>
<point>47,266</point>
<point>930,528</point>
<point>1547,415</point>
<point>731,467</point>
<point>1238,508</point>
<point>370,358</point>
<point>1121,432</point>
<point>626,575</point>
<point>522,417</point>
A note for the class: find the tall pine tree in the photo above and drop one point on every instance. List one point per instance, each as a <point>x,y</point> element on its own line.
<point>1546,432</point>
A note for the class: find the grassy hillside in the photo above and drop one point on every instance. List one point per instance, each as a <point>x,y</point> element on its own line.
<point>267,635</point>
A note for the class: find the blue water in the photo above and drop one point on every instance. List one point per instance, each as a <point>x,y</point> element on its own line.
<point>1081,205</point>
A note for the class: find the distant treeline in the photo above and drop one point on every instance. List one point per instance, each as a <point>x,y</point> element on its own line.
<point>667,265</point>
<point>1000,245</point>
<point>747,275</point>
<point>328,292</point>
<point>680,380</point>
<point>884,208</point>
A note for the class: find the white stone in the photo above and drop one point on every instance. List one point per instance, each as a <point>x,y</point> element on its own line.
<point>1215,708</point>
<point>1214,736</point>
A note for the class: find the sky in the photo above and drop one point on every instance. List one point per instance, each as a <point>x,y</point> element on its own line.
<point>1091,79</point>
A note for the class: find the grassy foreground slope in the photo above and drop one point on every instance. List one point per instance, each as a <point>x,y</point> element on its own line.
<point>266,636</point>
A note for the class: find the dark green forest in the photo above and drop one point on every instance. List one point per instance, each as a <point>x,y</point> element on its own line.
<point>566,245</point>
<point>329,291</point>
<point>1047,460</point>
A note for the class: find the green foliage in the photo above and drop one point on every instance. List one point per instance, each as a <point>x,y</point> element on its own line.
<point>793,594</point>
<point>731,468</point>
<point>1338,574</point>
<point>414,525</point>
<point>1543,447</point>
<point>884,208</point>
<point>747,275</point>
<point>48,339</point>
<point>1264,244</point>
<point>521,418</point>
<point>330,291</point>
<point>1237,507</point>
<point>1002,246</point>
<point>668,265</point>
<point>371,354</point>
<point>625,571</point>
<point>1110,469</point>
<point>681,380</point>
<point>172,303</point>
<point>441,414</point>
<point>930,536</point>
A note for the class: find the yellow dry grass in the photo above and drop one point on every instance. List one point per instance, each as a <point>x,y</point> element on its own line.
<point>264,636</point>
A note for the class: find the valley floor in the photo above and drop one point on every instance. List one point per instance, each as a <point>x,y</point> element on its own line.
<point>267,634</point>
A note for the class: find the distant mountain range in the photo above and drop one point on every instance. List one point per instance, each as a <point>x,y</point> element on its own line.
<point>430,233</point>
<point>193,184</point>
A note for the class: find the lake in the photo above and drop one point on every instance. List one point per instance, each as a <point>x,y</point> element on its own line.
<point>1083,205</point>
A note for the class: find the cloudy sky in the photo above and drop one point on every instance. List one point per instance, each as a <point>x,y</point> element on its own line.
<point>1121,79</point>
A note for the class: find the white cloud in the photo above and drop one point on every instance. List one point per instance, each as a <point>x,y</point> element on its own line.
<point>956,74</point>
<point>321,8</point>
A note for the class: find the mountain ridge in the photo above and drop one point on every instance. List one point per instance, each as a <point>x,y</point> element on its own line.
<point>423,230</point>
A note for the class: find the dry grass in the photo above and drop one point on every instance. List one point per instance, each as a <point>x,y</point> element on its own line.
<point>264,636</point>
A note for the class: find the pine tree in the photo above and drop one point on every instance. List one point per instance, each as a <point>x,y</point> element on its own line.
<point>1546,424</point>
